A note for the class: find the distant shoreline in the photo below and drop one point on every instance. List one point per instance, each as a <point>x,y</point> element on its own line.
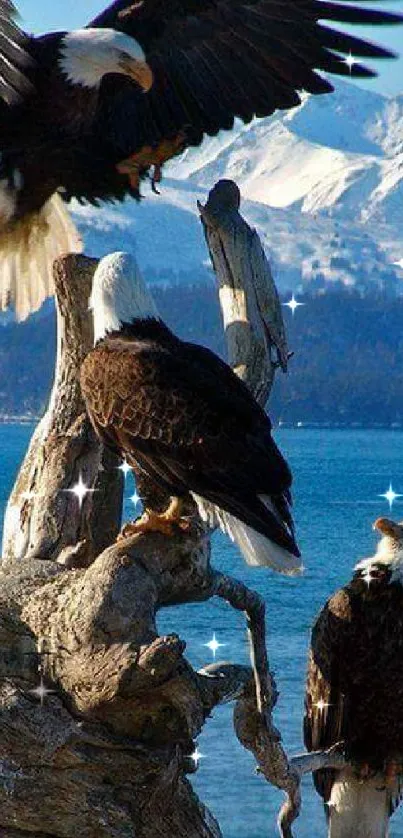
<point>339,426</point>
<point>28,419</point>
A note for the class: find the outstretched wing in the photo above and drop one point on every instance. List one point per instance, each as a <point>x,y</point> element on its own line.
<point>325,711</point>
<point>14,56</point>
<point>191,425</point>
<point>281,38</point>
<point>213,61</point>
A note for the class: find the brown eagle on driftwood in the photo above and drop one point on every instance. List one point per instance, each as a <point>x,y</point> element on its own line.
<point>88,113</point>
<point>354,692</point>
<point>180,415</point>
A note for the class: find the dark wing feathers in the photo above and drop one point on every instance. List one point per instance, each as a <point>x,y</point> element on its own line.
<point>191,425</point>
<point>178,397</point>
<point>343,12</point>
<point>215,60</point>
<point>355,669</point>
<point>158,24</point>
<point>324,725</point>
<point>340,42</point>
<point>14,56</point>
<point>193,20</point>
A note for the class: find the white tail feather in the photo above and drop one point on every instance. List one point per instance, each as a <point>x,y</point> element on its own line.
<point>256,549</point>
<point>357,808</point>
<point>28,249</point>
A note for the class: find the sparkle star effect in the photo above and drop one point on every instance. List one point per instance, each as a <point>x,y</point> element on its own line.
<point>80,490</point>
<point>41,691</point>
<point>321,704</point>
<point>367,576</point>
<point>197,756</point>
<point>135,498</point>
<point>350,61</point>
<point>125,468</point>
<point>214,645</point>
<point>390,496</point>
<point>293,304</point>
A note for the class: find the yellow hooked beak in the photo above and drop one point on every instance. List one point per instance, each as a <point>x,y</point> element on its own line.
<point>139,71</point>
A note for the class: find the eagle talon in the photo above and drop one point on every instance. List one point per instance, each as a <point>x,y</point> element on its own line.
<point>164,522</point>
<point>156,178</point>
<point>148,522</point>
<point>154,188</point>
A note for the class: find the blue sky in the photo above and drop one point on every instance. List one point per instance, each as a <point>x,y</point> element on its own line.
<point>47,15</point>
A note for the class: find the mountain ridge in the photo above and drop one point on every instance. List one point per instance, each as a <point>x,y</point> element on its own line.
<point>325,137</point>
<point>330,170</point>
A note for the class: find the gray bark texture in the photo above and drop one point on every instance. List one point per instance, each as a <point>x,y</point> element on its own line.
<point>98,713</point>
<point>41,517</point>
<point>250,304</point>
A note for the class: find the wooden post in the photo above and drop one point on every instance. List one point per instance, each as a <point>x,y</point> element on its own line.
<point>250,304</point>
<point>43,517</point>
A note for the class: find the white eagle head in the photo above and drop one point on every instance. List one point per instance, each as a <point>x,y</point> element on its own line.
<point>87,55</point>
<point>119,294</point>
<point>389,551</point>
<point>392,536</point>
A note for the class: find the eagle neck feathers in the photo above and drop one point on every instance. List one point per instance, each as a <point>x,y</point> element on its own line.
<point>143,329</point>
<point>388,557</point>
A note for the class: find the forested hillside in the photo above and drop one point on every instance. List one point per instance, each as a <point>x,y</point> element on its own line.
<point>347,367</point>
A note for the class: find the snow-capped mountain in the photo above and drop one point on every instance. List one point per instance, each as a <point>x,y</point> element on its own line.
<point>322,183</point>
<point>342,152</point>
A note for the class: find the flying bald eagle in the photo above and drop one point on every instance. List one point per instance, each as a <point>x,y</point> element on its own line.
<point>178,414</point>
<point>354,692</point>
<point>88,113</point>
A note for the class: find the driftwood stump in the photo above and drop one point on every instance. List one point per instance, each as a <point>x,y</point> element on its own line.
<point>41,517</point>
<point>250,305</point>
<point>98,713</point>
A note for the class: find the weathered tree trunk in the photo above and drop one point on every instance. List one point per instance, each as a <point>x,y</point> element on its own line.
<point>250,304</point>
<point>43,517</point>
<point>98,713</point>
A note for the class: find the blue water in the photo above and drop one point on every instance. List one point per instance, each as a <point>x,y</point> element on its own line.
<point>338,476</point>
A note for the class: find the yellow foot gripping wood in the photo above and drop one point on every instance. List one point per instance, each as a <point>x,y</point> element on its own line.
<point>164,522</point>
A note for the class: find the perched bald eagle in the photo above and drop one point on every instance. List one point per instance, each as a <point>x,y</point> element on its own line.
<point>179,414</point>
<point>88,113</point>
<point>354,692</point>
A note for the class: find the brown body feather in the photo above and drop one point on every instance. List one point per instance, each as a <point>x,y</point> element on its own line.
<point>179,414</point>
<point>355,673</point>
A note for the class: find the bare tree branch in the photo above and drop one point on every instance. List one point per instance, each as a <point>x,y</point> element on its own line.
<point>316,760</point>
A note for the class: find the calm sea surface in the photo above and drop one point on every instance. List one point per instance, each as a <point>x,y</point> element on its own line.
<point>338,477</point>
